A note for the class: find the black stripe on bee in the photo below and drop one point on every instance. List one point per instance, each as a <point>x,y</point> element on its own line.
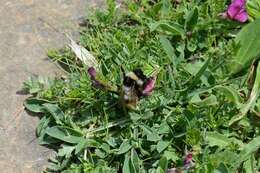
<point>134,82</point>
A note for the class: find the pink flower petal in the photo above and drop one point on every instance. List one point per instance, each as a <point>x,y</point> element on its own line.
<point>149,86</point>
<point>95,82</point>
<point>237,11</point>
<point>92,72</point>
<point>241,16</point>
<point>188,158</point>
<point>233,11</point>
<point>240,3</point>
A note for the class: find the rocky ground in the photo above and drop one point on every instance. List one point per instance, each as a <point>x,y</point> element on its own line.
<point>25,35</point>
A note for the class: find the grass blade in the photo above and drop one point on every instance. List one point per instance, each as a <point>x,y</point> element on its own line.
<point>196,79</point>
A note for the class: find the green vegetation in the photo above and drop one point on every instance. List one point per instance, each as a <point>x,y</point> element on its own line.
<point>205,101</point>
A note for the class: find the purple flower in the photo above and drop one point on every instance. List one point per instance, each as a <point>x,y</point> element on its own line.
<point>188,161</point>
<point>237,11</point>
<point>95,82</point>
<point>92,72</point>
<point>149,86</point>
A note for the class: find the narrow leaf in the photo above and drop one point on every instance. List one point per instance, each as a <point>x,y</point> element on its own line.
<point>172,28</point>
<point>134,161</point>
<point>252,99</point>
<point>196,79</point>
<point>61,134</point>
<point>169,50</point>
<point>126,166</point>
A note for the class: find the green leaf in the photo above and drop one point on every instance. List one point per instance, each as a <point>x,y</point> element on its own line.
<point>249,165</point>
<point>134,161</point>
<point>162,145</point>
<point>226,157</point>
<point>100,153</point>
<point>193,67</point>
<point>166,7</point>
<point>221,169</point>
<point>170,27</point>
<point>171,155</point>
<point>155,9</point>
<point>230,93</point>
<point>163,165</point>
<point>169,50</point>
<point>32,85</point>
<point>248,149</point>
<point>126,166</point>
<point>252,99</point>
<point>192,19</point>
<point>164,128</point>
<point>112,141</point>
<point>208,101</point>
<point>42,126</point>
<point>217,139</point>
<point>124,147</point>
<point>63,135</point>
<point>80,146</point>
<point>55,111</point>
<point>196,79</point>
<point>131,164</point>
<point>193,136</point>
<point>249,47</point>
<point>159,170</point>
<point>34,105</point>
<point>66,151</point>
<point>151,134</point>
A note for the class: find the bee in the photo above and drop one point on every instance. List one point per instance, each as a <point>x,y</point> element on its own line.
<point>134,85</point>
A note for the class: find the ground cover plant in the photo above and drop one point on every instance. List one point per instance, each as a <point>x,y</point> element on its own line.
<point>202,115</point>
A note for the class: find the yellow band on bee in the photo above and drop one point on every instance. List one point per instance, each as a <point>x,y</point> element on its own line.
<point>132,75</point>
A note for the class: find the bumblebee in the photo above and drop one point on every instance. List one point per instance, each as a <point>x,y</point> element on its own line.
<point>134,84</point>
